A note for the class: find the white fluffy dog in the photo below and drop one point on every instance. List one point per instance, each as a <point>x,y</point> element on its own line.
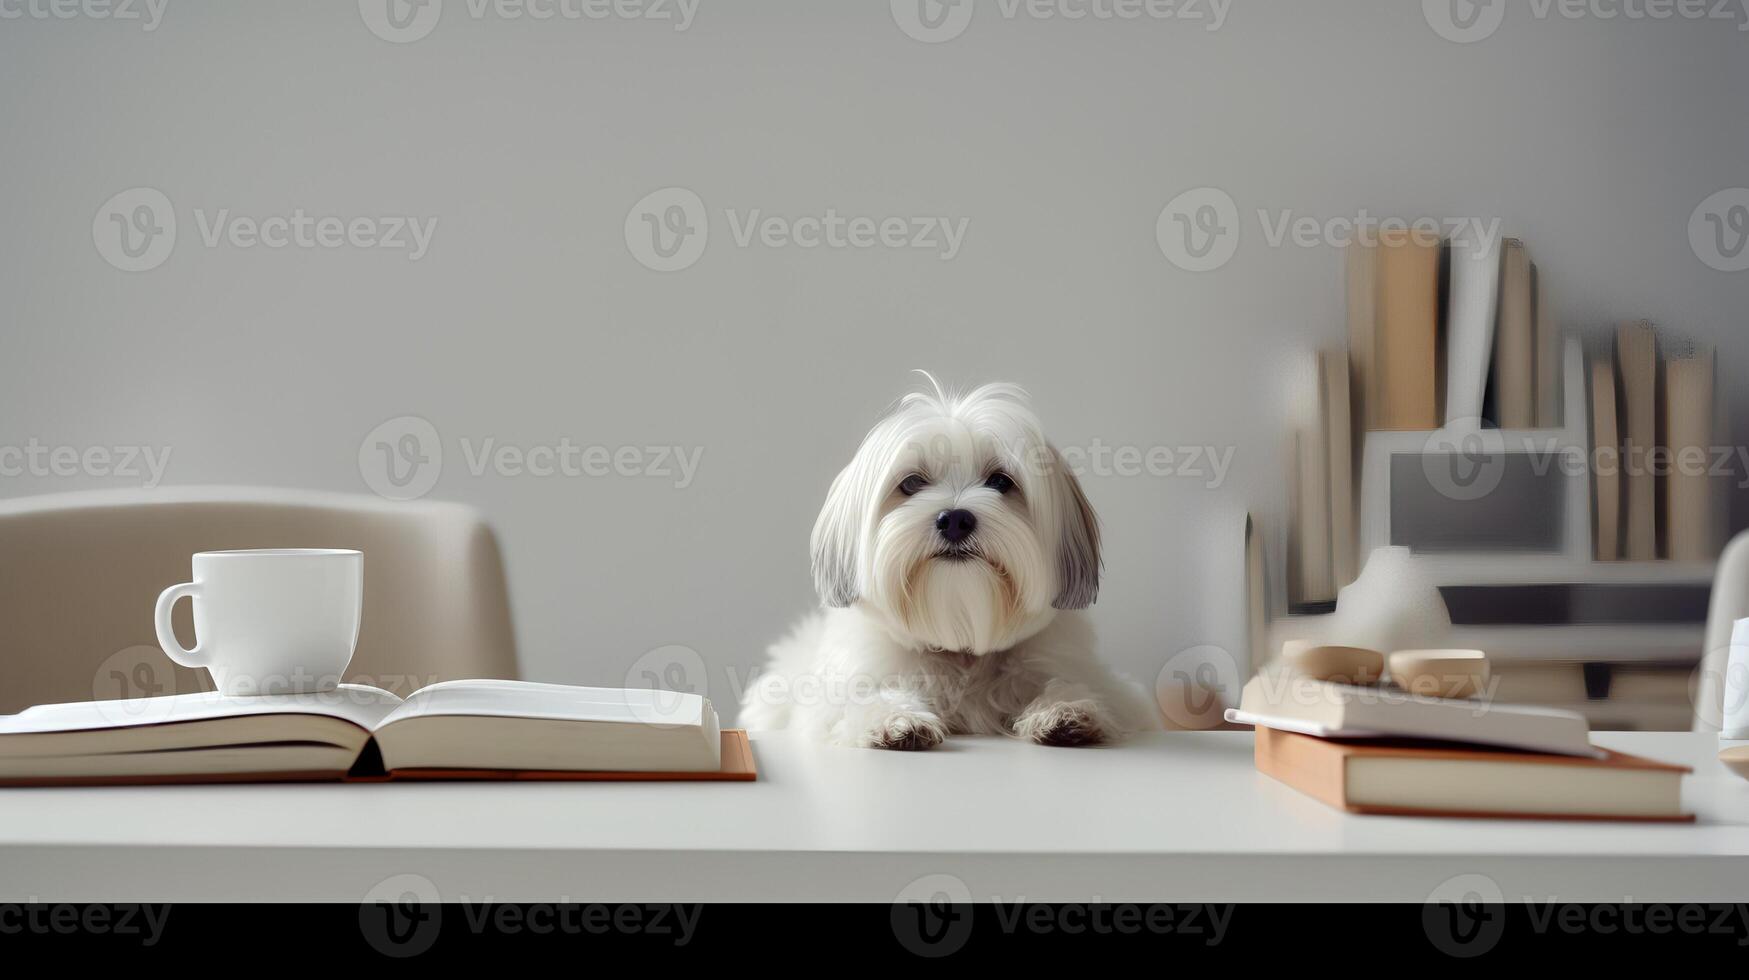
<point>950,555</point>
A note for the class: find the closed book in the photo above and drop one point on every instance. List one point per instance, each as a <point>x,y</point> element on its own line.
<point>1686,502</point>
<point>1418,779</point>
<point>1406,342</point>
<point>1278,699</point>
<point>1515,341</point>
<point>1605,465</point>
<point>1469,329</point>
<point>1636,367</point>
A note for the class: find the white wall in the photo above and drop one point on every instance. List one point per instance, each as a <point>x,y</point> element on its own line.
<point>529,320</point>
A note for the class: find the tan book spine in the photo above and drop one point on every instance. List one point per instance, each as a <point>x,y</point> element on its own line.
<point>1333,383</point>
<point>1312,519</point>
<point>1515,341</point>
<point>1407,358</point>
<point>1362,336</point>
<point>1548,353</point>
<point>1636,365</point>
<point>1605,460</point>
<point>1686,504</point>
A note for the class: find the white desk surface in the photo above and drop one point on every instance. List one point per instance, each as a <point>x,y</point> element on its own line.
<point>1177,816</point>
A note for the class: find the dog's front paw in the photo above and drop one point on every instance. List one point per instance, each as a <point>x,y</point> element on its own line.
<point>1063,723</point>
<point>906,732</point>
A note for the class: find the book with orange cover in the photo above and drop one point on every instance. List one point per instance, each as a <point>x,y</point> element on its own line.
<point>1430,779</point>
<point>472,729</point>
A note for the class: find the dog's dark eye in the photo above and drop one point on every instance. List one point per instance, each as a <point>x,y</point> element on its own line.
<point>1000,482</point>
<point>910,485</point>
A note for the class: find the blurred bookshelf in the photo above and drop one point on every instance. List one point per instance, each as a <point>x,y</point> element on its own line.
<point>1586,586</point>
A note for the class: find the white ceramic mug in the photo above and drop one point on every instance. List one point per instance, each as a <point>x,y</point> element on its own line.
<point>273,621</point>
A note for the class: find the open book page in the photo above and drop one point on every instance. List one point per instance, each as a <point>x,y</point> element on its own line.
<point>556,702</point>
<point>363,706</point>
<point>495,724</point>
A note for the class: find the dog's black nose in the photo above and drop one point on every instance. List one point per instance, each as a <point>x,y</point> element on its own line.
<point>956,525</point>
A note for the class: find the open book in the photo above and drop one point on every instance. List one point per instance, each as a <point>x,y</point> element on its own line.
<point>474,729</point>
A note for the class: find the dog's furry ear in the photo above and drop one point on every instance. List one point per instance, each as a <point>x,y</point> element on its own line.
<point>834,542</point>
<point>1078,560</point>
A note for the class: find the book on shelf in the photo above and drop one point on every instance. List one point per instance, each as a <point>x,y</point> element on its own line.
<point>1338,433</point>
<point>1548,353</point>
<point>1636,366</point>
<point>1514,370</point>
<point>1310,573</point>
<point>1405,357</point>
<point>1687,510</point>
<point>1322,539</point>
<point>1470,316</point>
<point>1362,293</point>
<point>1606,495</point>
<point>472,729</point>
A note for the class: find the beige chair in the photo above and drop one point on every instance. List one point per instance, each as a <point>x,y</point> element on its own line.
<point>79,573</point>
<point>1729,603</point>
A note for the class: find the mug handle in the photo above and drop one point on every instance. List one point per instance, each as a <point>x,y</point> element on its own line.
<point>167,636</point>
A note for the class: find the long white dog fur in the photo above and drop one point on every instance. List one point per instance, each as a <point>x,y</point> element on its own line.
<point>952,557</point>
